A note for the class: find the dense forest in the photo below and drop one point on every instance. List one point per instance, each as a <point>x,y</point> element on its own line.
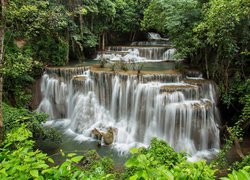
<point>210,35</point>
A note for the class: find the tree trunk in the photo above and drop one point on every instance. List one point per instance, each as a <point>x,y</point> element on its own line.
<point>226,75</point>
<point>100,42</point>
<point>2,31</point>
<point>206,61</point>
<point>81,23</point>
<point>103,41</point>
<point>133,37</point>
<point>68,45</point>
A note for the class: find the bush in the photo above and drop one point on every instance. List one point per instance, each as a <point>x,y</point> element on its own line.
<point>161,161</point>
<point>19,160</point>
<point>242,164</point>
<point>15,117</point>
<point>243,173</point>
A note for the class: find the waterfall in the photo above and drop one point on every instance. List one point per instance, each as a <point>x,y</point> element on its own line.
<point>168,55</point>
<point>150,53</point>
<point>168,106</point>
<point>137,53</point>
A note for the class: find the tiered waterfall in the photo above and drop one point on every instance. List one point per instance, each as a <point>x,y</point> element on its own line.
<point>168,105</point>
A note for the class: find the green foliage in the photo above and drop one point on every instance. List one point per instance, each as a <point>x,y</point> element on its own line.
<point>196,170</point>
<point>240,165</point>
<point>99,15</point>
<point>125,66</point>
<point>164,154</point>
<point>236,92</point>
<point>216,29</point>
<point>113,66</point>
<point>103,62</point>
<point>175,18</point>
<point>125,19</point>
<point>243,173</point>
<point>160,161</point>
<point>239,93</point>
<point>89,39</point>
<point>41,24</point>
<point>16,63</point>
<point>15,117</point>
<point>122,65</point>
<point>50,50</point>
<point>129,15</point>
<point>31,19</point>
<point>220,20</point>
<point>34,36</point>
<point>19,160</point>
<point>245,100</point>
<point>17,69</point>
<point>223,31</point>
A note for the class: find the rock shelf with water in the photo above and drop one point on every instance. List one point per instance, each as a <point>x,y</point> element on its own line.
<point>163,104</point>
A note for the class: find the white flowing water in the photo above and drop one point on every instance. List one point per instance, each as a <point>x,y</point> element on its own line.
<point>168,55</point>
<point>156,49</point>
<point>137,53</point>
<point>156,37</point>
<point>149,53</point>
<point>140,107</point>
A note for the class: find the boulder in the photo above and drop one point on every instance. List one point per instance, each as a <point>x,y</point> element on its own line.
<point>108,137</point>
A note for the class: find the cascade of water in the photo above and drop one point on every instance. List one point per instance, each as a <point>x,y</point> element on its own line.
<point>168,55</point>
<point>137,53</point>
<point>156,36</point>
<point>150,53</point>
<point>54,95</point>
<point>154,50</point>
<point>151,43</point>
<point>184,114</point>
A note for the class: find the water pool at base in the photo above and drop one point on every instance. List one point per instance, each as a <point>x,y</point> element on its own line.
<point>70,145</point>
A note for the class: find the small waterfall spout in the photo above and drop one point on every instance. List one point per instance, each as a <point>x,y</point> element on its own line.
<point>154,105</point>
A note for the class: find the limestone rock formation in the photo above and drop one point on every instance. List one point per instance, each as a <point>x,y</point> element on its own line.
<point>107,137</point>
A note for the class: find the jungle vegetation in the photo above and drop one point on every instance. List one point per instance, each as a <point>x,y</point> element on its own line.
<point>211,35</point>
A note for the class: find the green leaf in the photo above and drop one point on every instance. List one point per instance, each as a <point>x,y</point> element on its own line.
<point>142,158</point>
<point>134,150</point>
<point>131,162</point>
<point>34,173</point>
<point>71,154</point>
<point>134,177</point>
<point>76,159</point>
<point>51,160</point>
<point>62,153</point>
